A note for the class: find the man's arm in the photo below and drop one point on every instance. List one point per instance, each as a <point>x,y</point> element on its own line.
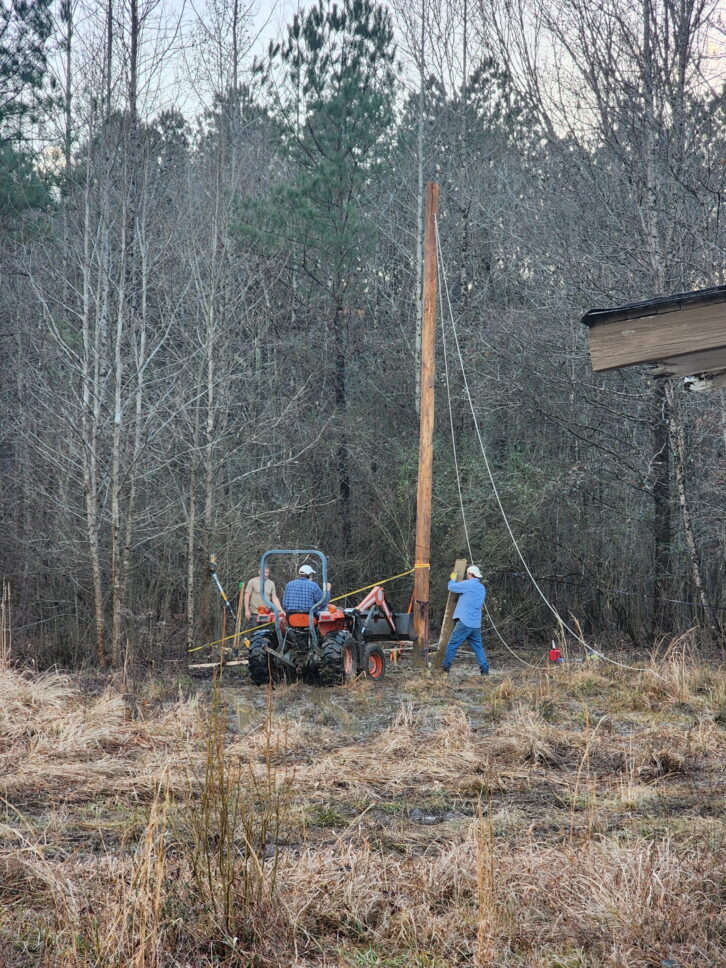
<point>319,594</point>
<point>458,587</point>
<point>274,599</point>
<point>248,593</point>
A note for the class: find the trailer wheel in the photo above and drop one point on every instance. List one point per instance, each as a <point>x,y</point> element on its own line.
<point>262,666</point>
<point>374,663</point>
<point>338,661</point>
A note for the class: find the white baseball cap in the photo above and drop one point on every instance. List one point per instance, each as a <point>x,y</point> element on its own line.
<point>473,570</point>
<point>306,570</point>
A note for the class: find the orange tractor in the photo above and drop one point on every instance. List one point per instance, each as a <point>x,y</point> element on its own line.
<point>327,645</point>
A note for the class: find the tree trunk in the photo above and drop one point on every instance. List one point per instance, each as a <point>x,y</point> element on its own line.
<point>117,584</point>
<point>140,361</point>
<point>660,412</point>
<point>343,456</point>
<point>90,404</point>
<point>67,17</point>
<point>108,63</point>
<point>661,506</point>
<point>191,533</point>
<point>134,62</point>
<point>678,447</point>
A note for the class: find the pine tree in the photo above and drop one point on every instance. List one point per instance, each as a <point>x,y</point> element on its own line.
<point>332,85</point>
<point>25,29</point>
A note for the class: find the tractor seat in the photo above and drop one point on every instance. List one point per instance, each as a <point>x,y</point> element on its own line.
<point>300,620</point>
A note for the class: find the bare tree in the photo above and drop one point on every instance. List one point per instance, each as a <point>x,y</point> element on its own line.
<point>616,86</point>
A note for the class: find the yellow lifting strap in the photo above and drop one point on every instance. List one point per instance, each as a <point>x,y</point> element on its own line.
<point>365,588</point>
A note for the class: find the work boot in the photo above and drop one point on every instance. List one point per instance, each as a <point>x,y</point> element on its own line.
<point>483,671</point>
<point>445,669</point>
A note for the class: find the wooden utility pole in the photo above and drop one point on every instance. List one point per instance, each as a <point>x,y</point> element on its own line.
<point>448,624</point>
<point>426,429</point>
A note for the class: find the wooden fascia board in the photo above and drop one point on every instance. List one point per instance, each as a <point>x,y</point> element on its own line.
<point>691,364</point>
<point>660,336</point>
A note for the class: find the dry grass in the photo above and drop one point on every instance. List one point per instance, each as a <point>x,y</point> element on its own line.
<point>566,818</point>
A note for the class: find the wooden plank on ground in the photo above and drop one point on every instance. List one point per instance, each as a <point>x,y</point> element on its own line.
<point>448,623</point>
<point>215,665</point>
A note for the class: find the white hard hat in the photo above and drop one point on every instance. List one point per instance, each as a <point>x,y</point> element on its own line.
<point>306,570</point>
<point>473,570</point>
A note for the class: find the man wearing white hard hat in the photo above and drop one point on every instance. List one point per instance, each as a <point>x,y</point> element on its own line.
<point>302,593</point>
<point>467,615</point>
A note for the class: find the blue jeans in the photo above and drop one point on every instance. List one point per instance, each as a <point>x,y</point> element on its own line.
<point>460,634</point>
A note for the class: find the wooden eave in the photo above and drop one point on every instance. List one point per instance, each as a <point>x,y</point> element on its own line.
<point>680,335</point>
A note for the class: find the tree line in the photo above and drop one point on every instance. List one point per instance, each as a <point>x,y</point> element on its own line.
<point>210,314</point>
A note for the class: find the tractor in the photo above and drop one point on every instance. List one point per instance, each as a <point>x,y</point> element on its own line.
<point>327,645</point>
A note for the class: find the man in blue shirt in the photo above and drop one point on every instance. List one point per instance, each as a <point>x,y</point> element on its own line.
<point>467,614</point>
<point>301,594</point>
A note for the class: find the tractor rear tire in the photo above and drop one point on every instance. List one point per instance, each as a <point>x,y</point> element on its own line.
<point>338,663</point>
<point>374,663</point>
<point>263,668</point>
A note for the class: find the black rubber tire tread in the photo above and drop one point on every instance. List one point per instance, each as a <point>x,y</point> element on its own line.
<point>260,663</point>
<point>333,646</point>
<point>374,649</point>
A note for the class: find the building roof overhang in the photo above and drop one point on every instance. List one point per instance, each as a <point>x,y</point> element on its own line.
<point>683,335</point>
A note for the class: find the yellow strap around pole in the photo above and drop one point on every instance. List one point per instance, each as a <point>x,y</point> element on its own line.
<point>357,591</point>
<point>383,581</point>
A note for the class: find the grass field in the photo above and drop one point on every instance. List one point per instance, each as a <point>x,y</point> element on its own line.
<point>563,817</point>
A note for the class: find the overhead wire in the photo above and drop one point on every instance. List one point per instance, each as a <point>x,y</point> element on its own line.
<point>588,648</point>
<point>456,465</point>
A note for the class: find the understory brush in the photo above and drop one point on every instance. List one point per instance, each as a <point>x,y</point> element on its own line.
<point>548,820</point>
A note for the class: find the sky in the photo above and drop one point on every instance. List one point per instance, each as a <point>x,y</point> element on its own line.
<point>267,21</point>
<point>271,18</point>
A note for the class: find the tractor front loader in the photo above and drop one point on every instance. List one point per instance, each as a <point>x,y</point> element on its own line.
<point>328,645</point>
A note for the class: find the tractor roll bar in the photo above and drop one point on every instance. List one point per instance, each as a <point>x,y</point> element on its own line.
<point>323,578</point>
